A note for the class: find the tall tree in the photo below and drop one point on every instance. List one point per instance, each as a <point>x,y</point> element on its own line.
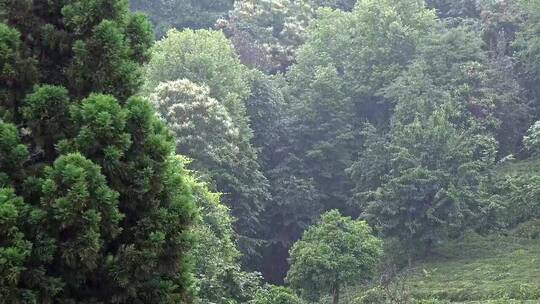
<point>97,206</point>
<point>336,85</point>
<point>215,256</point>
<point>528,51</point>
<point>420,182</point>
<point>206,132</point>
<point>214,123</point>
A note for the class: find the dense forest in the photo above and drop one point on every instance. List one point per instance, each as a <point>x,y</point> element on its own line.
<point>269,151</point>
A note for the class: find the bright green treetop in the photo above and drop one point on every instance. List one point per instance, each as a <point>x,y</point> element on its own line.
<point>335,252</point>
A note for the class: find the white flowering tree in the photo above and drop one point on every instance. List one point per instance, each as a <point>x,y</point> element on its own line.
<point>206,133</point>
<point>204,129</point>
<point>531,140</point>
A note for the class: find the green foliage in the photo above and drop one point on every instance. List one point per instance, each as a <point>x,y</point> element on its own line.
<point>484,269</point>
<point>531,141</point>
<point>76,201</point>
<point>276,295</point>
<point>529,229</point>
<point>431,183</point>
<point>372,296</point>
<point>347,59</point>
<point>86,46</point>
<point>203,57</point>
<point>219,278</point>
<point>456,8</point>
<point>335,252</point>
<point>180,14</point>
<point>267,34</point>
<point>15,249</point>
<point>511,195</point>
<point>527,45</point>
<point>46,112</point>
<point>102,135</point>
<point>95,207</point>
<point>210,121</point>
<point>12,154</point>
<point>420,183</point>
<point>17,71</point>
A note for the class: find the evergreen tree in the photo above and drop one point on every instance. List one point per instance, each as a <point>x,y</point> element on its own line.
<point>95,208</point>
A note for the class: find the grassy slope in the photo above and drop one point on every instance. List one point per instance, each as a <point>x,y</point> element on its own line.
<point>481,269</point>
<point>490,269</point>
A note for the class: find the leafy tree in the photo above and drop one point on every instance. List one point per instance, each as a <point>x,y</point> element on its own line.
<point>203,57</point>
<point>335,252</point>
<point>95,207</point>
<point>206,132</point>
<point>180,14</point>
<point>344,5</point>
<point>512,199</point>
<point>265,108</point>
<point>276,295</point>
<point>527,49</point>
<point>456,8</point>
<point>228,161</point>
<point>267,33</point>
<point>346,61</point>
<point>295,201</point>
<point>215,256</point>
<point>431,189</point>
<point>420,183</point>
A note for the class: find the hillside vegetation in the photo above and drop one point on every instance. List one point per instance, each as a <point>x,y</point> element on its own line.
<point>480,269</point>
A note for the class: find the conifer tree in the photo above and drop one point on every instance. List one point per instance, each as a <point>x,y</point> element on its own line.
<point>94,207</point>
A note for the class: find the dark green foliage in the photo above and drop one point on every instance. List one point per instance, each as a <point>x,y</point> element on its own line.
<point>87,46</point>
<point>511,193</point>
<point>345,5</point>
<point>421,182</point>
<point>528,49</point>
<point>335,86</point>
<point>15,248</point>
<point>17,72</point>
<point>102,135</point>
<point>455,8</point>
<point>79,216</point>
<point>12,154</point>
<point>94,206</point>
<point>180,14</point>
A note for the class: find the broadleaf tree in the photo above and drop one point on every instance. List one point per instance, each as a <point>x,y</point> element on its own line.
<point>202,94</point>
<point>333,253</point>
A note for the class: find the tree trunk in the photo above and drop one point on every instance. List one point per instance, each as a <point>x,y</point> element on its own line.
<point>335,293</point>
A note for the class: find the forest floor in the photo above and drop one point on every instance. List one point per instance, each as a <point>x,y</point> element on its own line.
<point>493,269</point>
